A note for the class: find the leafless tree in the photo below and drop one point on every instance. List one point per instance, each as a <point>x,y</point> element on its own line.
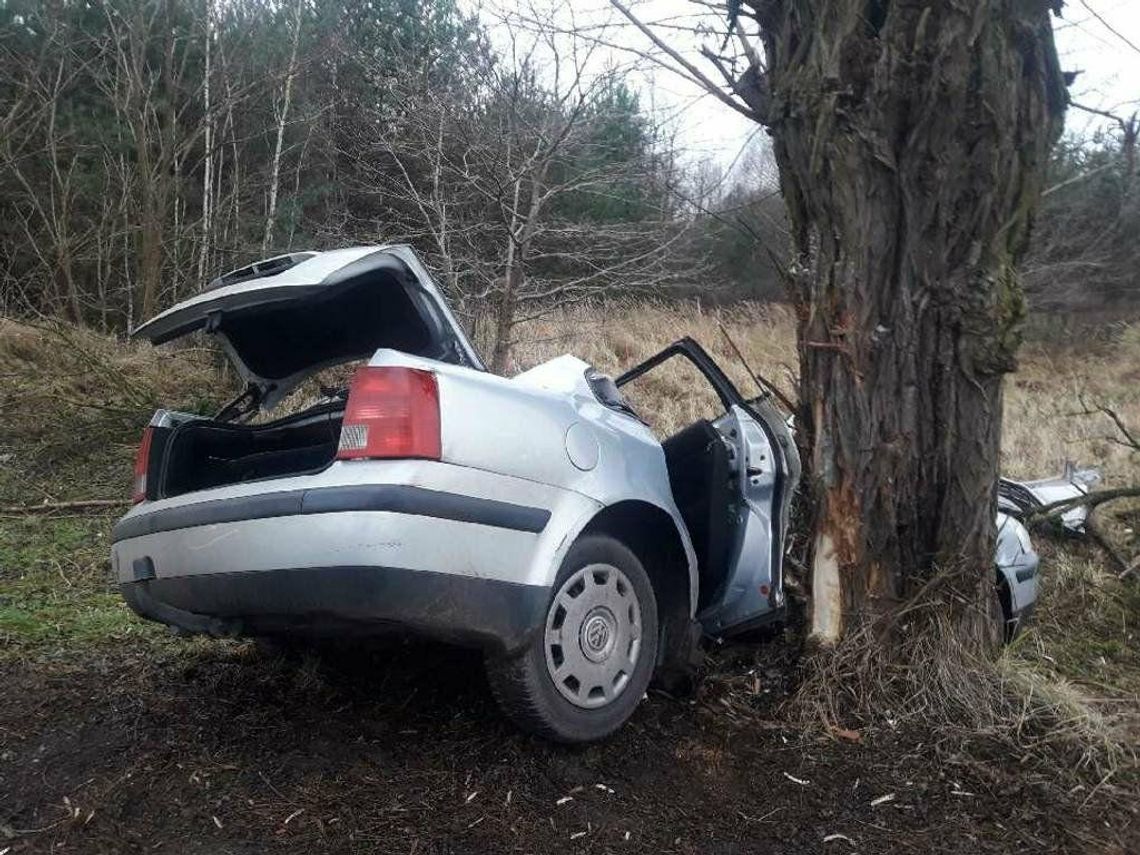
<point>489,183</point>
<point>1083,254</point>
<point>282,123</point>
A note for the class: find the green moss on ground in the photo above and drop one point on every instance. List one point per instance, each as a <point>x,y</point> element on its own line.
<point>56,588</point>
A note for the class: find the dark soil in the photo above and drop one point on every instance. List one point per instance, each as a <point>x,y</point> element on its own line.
<point>219,749</point>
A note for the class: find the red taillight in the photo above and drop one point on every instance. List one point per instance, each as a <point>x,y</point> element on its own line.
<point>142,461</point>
<point>391,412</point>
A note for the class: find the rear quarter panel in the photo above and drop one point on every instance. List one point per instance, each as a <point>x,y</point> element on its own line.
<point>529,426</point>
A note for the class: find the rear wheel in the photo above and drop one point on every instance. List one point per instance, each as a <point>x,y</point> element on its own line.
<point>585,671</point>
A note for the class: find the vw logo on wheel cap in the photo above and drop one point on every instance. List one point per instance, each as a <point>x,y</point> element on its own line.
<point>598,634</point>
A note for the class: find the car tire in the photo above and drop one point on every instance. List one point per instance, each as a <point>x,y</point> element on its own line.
<point>587,667</point>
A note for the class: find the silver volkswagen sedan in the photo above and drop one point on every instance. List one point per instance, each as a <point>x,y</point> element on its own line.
<point>536,517</point>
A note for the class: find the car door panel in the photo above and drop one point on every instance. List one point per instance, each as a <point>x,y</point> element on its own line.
<point>764,470</point>
<point>747,593</point>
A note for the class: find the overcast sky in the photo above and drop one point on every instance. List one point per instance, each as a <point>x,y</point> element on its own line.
<point>1101,38</point>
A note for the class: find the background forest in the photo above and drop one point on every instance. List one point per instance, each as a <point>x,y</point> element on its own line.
<point>147,146</point>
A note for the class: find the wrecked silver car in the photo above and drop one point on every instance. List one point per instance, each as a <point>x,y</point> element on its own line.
<point>536,517</point>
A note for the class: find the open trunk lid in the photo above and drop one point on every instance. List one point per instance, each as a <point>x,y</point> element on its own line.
<point>286,317</point>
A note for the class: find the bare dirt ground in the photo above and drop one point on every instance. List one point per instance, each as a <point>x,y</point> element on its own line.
<point>229,751</point>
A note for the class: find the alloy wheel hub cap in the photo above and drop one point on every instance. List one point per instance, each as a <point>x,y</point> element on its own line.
<point>593,636</point>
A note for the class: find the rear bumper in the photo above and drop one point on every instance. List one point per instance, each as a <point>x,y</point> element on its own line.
<point>345,601</point>
<point>424,547</point>
<point>395,498</point>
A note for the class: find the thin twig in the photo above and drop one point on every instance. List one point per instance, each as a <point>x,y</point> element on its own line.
<point>1109,27</point>
<point>691,71</point>
<point>1130,569</point>
<point>758,379</point>
<point>48,507</point>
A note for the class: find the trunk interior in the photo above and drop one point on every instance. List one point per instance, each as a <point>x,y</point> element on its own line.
<point>202,454</point>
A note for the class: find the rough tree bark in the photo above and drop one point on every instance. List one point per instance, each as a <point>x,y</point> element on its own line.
<point>912,138</point>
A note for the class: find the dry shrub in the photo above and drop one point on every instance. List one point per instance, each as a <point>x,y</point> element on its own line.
<point>923,672</point>
<point>58,367</point>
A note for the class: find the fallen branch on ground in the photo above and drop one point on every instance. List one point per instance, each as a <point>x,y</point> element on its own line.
<point>48,507</point>
<point>1054,510</point>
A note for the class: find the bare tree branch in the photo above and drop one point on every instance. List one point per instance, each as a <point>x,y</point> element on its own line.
<point>691,71</point>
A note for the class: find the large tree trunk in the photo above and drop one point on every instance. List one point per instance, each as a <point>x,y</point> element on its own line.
<point>912,139</point>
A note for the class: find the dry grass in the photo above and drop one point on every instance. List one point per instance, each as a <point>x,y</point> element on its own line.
<point>618,335</point>
<point>1050,708</point>
<point>73,404</point>
<point>1053,385</point>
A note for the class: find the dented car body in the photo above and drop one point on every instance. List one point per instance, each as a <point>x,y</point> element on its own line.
<point>536,517</point>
